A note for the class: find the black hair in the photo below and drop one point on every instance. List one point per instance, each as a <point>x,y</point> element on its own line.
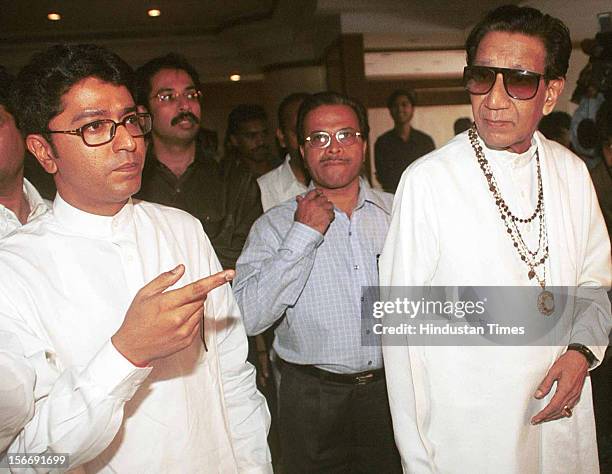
<point>462,124</point>
<point>409,93</point>
<point>40,85</point>
<point>145,73</point>
<point>604,122</point>
<point>553,124</point>
<point>7,81</point>
<point>331,98</point>
<point>531,22</point>
<point>286,102</point>
<point>244,113</point>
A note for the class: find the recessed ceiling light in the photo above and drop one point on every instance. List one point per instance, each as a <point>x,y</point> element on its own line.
<point>153,12</point>
<point>235,77</point>
<point>54,16</point>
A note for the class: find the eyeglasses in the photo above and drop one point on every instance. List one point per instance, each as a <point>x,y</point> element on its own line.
<point>100,132</point>
<point>519,84</point>
<point>321,139</point>
<point>192,95</point>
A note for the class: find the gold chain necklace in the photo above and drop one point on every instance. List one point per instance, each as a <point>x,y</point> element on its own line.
<point>533,259</point>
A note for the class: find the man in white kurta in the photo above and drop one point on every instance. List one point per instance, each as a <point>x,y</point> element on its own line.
<point>16,376</point>
<point>128,376</point>
<point>474,409</point>
<point>67,281</point>
<point>20,202</point>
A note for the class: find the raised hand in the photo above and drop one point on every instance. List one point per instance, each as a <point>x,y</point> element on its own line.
<point>315,210</point>
<point>159,323</point>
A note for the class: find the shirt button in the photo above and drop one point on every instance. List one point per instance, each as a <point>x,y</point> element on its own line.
<point>350,233</point>
<point>178,190</point>
<point>367,331</point>
<point>355,267</point>
<point>369,362</point>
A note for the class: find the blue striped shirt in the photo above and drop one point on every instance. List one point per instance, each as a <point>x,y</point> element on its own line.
<point>315,281</point>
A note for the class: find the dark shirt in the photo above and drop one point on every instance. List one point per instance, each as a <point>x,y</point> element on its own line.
<point>392,155</point>
<point>602,181</point>
<point>226,206</point>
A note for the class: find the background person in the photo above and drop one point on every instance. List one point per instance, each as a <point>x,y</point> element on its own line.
<point>399,147</point>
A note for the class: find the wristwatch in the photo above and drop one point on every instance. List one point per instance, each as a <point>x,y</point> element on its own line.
<point>585,351</point>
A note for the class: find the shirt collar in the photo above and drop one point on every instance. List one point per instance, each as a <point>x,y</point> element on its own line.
<point>366,194</point>
<point>37,204</point>
<point>286,173</point>
<point>92,225</point>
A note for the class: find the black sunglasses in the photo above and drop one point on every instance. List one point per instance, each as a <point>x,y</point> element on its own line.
<point>519,84</point>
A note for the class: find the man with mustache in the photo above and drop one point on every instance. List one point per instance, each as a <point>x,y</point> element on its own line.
<point>177,173</point>
<point>120,305</point>
<point>303,269</point>
<point>248,144</point>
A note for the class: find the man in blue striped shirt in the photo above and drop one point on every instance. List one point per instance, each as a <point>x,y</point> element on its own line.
<point>303,268</point>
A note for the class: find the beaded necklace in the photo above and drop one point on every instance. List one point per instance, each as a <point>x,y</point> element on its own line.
<point>534,259</point>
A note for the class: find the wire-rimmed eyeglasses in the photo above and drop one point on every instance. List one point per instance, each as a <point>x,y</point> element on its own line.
<point>322,139</point>
<point>192,95</point>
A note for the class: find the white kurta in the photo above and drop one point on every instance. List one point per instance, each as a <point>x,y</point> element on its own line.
<point>16,376</point>
<point>66,282</point>
<point>468,409</point>
<point>38,206</point>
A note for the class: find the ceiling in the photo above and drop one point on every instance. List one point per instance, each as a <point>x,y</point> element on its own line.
<point>250,36</point>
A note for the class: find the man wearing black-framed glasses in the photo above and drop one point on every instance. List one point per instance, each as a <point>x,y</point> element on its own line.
<point>139,365</point>
<point>501,206</point>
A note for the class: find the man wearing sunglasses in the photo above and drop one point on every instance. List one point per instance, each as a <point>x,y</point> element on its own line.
<point>120,305</point>
<point>303,269</point>
<point>500,205</point>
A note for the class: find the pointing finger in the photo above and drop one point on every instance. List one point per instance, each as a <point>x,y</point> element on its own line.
<point>163,281</point>
<point>200,288</point>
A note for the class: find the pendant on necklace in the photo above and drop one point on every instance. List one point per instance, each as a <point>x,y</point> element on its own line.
<point>546,303</point>
<point>531,274</point>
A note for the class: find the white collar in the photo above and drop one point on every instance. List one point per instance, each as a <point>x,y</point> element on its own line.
<point>37,204</point>
<point>92,225</point>
<point>510,158</point>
